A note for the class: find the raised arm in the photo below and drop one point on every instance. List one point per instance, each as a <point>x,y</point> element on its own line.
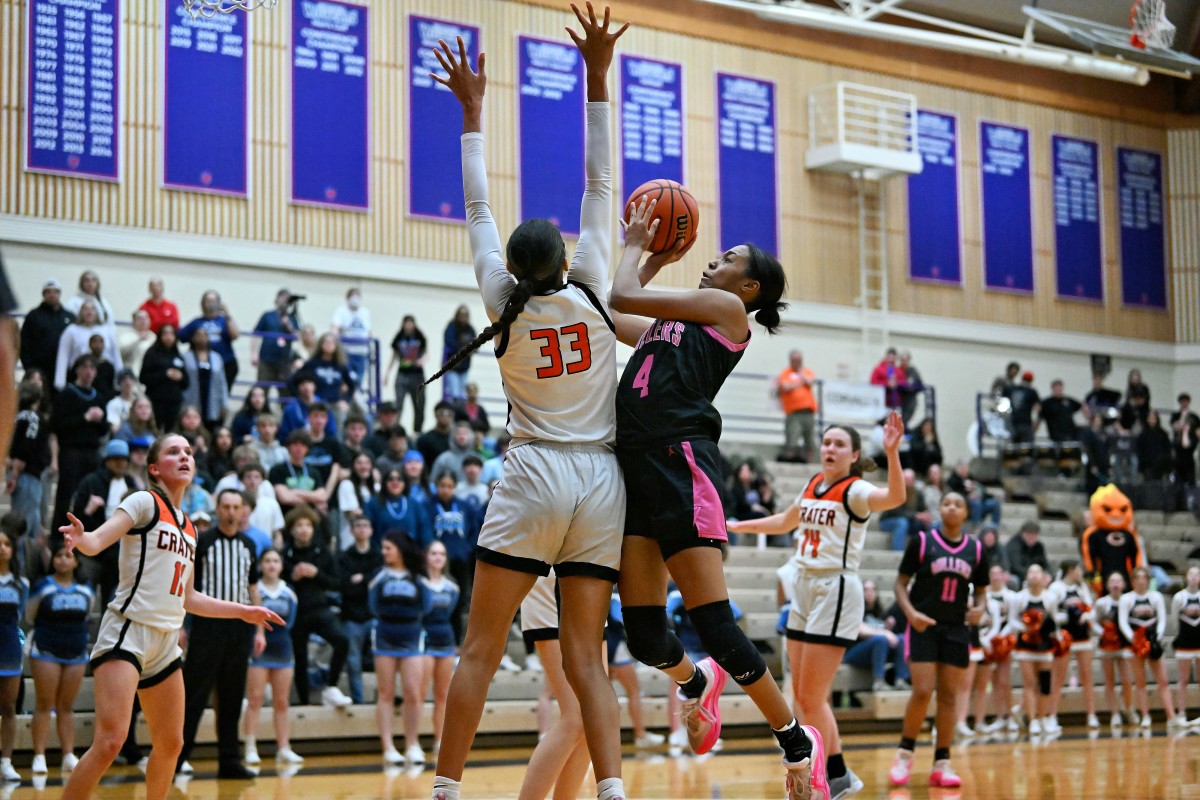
<point>593,252</point>
<point>882,499</point>
<point>630,296</point>
<point>495,282</point>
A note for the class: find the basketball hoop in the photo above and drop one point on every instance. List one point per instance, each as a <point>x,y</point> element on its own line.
<point>210,8</point>
<point>1150,26</point>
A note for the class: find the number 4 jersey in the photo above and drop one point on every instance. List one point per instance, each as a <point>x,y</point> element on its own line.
<point>156,561</point>
<point>833,524</point>
<point>666,392</point>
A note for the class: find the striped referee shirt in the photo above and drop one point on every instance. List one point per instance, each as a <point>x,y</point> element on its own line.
<point>225,566</point>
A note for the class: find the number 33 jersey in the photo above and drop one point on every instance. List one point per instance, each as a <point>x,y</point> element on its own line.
<point>666,392</point>
<point>833,524</point>
<point>156,561</point>
<point>558,361</point>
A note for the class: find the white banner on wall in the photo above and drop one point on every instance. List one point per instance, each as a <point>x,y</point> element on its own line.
<point>842,401</point>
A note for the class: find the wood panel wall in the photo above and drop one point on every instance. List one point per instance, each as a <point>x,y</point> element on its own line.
<point>819,238</point>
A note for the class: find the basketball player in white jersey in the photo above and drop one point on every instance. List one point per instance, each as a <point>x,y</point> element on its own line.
<point>560,502</point>
<point>137,648</point>
<point>830,519</point>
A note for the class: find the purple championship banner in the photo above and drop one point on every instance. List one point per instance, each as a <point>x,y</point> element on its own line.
<point>552,122</point>
<point>72,110</point>
<point>205,122</point>
<point>435,184</point>
<point>330,105</point>
<point>1143,247</point>
<point>747,166</point>
<point>1007,205</point>
<point>1078,249</point>
<point>934,225</point>
<point>651,122</point>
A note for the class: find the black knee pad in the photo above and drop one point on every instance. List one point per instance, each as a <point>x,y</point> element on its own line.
<point>727,643</point>
<point>1044,682</point>
<point>649,640</point>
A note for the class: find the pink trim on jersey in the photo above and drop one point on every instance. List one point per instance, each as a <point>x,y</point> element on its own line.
<point>708,511</point>
<point>737,348</point>
<point>943,543</point>
<point>922,535</point>
<point>907,642</point>
<point>978,550</point>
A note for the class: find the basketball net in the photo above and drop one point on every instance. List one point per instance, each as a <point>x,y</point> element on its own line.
<point>1150,26</point>
<point>210,8</point>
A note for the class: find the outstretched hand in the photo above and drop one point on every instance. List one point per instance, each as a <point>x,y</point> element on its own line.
<point>893,432</point>
<point>642,225</point>
<point>260,615</point>
<point>467,84</point>
<point>596,44</point>
<point>72,531</point>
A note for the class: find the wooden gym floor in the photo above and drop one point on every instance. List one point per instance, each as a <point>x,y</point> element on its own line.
<point>1103,767</point>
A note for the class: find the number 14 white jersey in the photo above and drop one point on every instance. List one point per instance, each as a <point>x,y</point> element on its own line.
<point>833,524</point>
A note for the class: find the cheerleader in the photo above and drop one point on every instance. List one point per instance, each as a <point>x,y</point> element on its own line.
<point>941,568</point>
<point>560,761</point>
<point>973,695</point>
<point>397,600</point>
<point>57,611</point>
<point>1075,615</point>
<point>14,591</point>
<point>1114,650</point>
<point>137,648</point>
<point>1185,608</point>
<point>997,659</point>
<point>1031,619</point>
<point>1142,617</point>
<point>441,599</point>
<point>274,665</point>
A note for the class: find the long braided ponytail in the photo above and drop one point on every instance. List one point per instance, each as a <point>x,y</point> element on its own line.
<point>515,305</point>
<point>536,255</point>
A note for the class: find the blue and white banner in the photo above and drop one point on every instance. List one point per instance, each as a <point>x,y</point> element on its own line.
<point>934,226</point>
<point>651,122</point>
<point>551,119</point>
<point>435,186</point>
<point>1078,253</point>
<point>73,108</point>
<point>1006,195</point>
<point>1143,247</point>
<point>205,130</point>
<point>330,102</point>
<point>747,168</point>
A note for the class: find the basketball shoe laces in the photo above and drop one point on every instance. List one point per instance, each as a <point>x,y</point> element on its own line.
<point>696,715</point>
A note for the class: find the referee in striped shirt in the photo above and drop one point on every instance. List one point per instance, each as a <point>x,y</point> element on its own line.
<point>226,568</point>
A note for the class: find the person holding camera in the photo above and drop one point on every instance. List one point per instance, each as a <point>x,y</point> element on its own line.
<point>271,351</point>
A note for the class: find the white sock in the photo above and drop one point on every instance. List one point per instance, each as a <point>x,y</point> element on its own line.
<point>445,789</point>
<point>610,789</point>
<point>787,727</point>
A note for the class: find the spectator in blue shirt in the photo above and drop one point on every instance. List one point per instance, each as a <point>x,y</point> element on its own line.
<point>455,524</point>
<point>221,329</point>
<point>272,352</point>
<point>295,409</point>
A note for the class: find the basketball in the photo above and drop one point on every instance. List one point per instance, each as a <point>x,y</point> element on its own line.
<point>677,212</point>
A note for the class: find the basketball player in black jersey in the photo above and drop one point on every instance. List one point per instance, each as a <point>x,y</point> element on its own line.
<point>937,573</point>
<point>667,432</point>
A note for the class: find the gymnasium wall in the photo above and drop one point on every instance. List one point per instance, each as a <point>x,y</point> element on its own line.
<point>961,337</point>
<point>819,238</point>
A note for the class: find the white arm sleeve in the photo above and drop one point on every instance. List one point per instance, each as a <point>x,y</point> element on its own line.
<point>1160,606</point>
<point>1123,606</point>
<point>495,282</point>
<point>859,497</point>
<point>1015,609</point>
<point>593,252</point>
